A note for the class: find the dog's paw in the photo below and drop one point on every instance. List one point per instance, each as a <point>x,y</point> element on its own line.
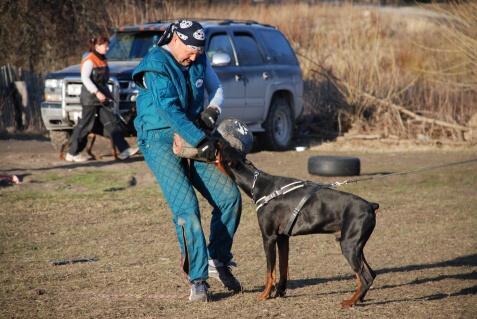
<point>347,303</point>
<point>263,296</point>
<point>280,293</point>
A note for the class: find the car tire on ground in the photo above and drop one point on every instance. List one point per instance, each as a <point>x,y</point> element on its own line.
<point>334,165</point>
<point>58,138</point>
<point>278,127</point>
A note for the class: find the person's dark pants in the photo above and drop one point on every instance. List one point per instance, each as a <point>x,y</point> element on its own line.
<point>85,126</point>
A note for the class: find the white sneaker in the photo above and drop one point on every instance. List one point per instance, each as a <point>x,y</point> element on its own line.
<point>128,153</point>
<point>75,158</point>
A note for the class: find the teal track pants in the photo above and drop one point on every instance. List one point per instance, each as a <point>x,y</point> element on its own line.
<point>177,182</point>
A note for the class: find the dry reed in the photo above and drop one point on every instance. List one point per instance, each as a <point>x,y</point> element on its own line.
<point>422,58</point>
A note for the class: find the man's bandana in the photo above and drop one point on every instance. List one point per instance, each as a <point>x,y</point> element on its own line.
<point>191,34</point>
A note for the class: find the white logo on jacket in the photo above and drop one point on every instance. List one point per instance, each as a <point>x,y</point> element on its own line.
<point>199,83</point>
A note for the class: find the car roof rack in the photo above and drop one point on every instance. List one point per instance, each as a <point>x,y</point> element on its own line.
<point>152,25</point>
<point>217,20</point>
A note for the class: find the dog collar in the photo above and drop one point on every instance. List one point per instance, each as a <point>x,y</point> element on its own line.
<point>255,177</point>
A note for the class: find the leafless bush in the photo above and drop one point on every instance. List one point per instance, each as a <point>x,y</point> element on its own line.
<point>376,58</point>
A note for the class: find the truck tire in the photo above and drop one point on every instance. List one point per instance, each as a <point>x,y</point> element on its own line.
<point>58,138</point>
<point>334,165</point>
<point>278,126</point>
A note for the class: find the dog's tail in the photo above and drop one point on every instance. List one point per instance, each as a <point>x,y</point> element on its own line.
<point>375,207</point>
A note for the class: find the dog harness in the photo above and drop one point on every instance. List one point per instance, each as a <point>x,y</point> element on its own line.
<point>282,191</point>
<point>297,209</point>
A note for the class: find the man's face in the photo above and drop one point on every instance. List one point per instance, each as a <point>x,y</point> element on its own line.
<point>182,53</point>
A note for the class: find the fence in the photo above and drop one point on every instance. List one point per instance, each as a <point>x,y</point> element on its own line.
<point>21,93</point>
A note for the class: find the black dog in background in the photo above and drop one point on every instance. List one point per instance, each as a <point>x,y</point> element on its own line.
<point>98,129</point>
<point>290,207</point>
<point>126,122</point>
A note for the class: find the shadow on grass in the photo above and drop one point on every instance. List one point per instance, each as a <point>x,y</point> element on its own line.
<point>23,136</point>
<point>465,261</point>
<point>71,165</point>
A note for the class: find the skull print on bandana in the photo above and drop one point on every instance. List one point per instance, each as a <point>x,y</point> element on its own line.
<point>191,34</point>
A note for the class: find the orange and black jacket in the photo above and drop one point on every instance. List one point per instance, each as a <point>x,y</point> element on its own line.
<point>99,76</point>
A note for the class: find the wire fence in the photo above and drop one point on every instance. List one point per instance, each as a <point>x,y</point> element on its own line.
<point>21,93</point>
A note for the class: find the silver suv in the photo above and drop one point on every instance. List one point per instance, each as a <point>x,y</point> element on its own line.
<point>258,69</point>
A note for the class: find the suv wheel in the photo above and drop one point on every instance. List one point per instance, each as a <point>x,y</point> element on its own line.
<point>278,127</point>
<point>58,138</point>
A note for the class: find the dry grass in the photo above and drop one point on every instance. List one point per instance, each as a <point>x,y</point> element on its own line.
<point>423,248</point>
<point>422,58</point>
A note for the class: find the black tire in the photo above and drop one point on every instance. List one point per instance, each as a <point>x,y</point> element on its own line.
<point>58,138</point>
<point>278,126</point>
<point>334,165</point>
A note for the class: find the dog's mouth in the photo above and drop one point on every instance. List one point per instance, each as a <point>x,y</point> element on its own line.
<point>220,162</point>
<point>224,161</point>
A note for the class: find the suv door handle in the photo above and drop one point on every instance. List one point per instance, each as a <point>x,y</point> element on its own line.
<point>238,77</point>
<point>265,75</point>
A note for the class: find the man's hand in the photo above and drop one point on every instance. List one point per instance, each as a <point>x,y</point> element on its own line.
<point>208,117</point>
<point>207,148</point>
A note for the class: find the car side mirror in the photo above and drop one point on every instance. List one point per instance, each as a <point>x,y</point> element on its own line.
<point>220,59</point>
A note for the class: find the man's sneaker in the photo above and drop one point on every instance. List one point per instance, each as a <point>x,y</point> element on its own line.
<point>75,158</point>
<point>128,153</point>
<point>198,291</point>
<point>221,271</point>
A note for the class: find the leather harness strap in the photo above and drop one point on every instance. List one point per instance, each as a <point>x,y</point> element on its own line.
<point>285,189</point>
<point>298,208</point>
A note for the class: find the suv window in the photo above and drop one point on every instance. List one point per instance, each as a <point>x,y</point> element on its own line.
<point>278,47</point>
<point>221,43</point>
<point>247,50</point>
<point>131,46</point>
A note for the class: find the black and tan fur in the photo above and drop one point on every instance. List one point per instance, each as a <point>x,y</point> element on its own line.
<point>349,217</point>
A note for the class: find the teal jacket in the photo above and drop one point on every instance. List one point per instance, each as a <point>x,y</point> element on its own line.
<point>163,101</point>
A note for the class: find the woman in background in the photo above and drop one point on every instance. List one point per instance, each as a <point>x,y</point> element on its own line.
<point>95,99</point>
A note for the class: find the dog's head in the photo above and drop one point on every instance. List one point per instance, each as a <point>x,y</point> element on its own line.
<point>228,158</point>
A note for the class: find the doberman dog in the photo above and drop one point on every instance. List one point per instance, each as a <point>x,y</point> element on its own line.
<point>89,147</point>
<point>291,207</point>
<point>97,129</point>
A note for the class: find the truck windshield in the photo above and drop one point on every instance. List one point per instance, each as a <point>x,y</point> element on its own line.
<point>125,46</point>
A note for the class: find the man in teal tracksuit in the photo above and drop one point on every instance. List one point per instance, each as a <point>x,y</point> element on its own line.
<point>172,80</point>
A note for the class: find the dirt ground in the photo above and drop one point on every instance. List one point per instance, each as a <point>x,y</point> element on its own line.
<point>424,247</point>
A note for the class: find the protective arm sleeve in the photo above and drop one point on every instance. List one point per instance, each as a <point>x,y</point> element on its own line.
<point>169,108</point>
<point>86,71</point>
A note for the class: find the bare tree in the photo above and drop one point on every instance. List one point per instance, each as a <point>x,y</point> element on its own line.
<point>43,35</point>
